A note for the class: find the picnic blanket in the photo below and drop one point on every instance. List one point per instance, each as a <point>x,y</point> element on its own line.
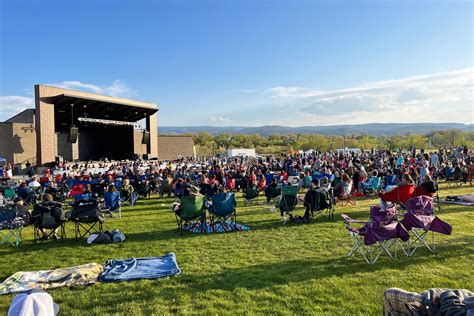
<point>48,279</point>
<point>217,227</point>
<point>140,268</point>
<point>467,200</point>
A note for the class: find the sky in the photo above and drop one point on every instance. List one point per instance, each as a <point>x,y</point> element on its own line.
<point>247,63</point>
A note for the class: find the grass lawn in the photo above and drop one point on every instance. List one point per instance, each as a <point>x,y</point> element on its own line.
<point>273,268</point>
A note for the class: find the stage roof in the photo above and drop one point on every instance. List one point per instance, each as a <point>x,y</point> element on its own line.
<point>100,107</point>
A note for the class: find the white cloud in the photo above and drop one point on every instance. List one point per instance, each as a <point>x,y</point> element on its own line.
<point>292,92</point>
<point>11,105</point>
<point>439,97</point>
<point>116,89</point>
<point>220,119</point>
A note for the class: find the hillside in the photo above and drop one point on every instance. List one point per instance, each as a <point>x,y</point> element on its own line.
<point>387,129</point>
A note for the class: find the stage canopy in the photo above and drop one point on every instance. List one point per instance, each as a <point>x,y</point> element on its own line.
<point>100,107</point>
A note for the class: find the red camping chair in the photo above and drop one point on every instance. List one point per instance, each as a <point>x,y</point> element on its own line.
<point>399,195</point>
<point>76,189</point>
<point>230,184</point>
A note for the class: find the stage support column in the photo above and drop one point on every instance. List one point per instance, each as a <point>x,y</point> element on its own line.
<point>44,123</point>
<point>151,126</point>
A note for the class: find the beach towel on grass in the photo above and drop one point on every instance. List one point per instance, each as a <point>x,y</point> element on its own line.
<point>49,279</point>
<point>218,227</point>
<point>140,268</point>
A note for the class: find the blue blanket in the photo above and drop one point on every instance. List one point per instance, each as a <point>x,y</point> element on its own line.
<point>140,268</point>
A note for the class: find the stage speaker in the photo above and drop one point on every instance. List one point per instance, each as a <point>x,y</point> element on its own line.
<point>146,137</point>
<point>73,131</point>
<point>145,156</point>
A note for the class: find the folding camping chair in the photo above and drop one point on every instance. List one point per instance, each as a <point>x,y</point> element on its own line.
<point>470,174</point>
<point>223,208</point>
<point>372,186</point>
<point>230,184</point>
<point>87,217</point>
<point>288,201</point>
<point>420,220</point>
<point>98,189</point>
<point>271,193</point>
<point>420,191</point>
<point>28,195</point>
<point>142,190</point>
<point>346,199</point>
<point>10,228</point>
<point>50,219</point>
<point>165,187</point>
<point>378,236</point>
<point>129,198</point>
<point>9,194</point>
<point>250,194</point>
<point>112,204</point>
<point>191,208</point>
<point>452,178</point>
<point>321,202</point>
<point>399,195</point>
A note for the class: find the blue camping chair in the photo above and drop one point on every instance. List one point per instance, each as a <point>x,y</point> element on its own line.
<point>83,196</point>
<point>390,180</point>
<point>223,207</point>
<point>112,203</point>
<point>371,186</point>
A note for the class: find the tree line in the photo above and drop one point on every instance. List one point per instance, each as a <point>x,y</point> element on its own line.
<point>208,144</point>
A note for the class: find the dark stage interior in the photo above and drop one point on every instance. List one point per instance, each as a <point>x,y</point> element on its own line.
<point>103,141</point>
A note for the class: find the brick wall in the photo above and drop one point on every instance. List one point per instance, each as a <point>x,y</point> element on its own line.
<point>138,148</point>
<point>18,142</point>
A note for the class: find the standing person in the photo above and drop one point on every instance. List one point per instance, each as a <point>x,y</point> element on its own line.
<point>9,171</point>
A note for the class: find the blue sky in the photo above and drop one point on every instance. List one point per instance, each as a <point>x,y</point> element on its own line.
<point>248,62</point>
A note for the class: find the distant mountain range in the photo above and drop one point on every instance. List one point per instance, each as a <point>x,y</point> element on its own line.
<point>387,129</point>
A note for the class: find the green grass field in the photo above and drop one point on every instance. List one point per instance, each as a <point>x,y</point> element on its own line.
<point>271,269</point>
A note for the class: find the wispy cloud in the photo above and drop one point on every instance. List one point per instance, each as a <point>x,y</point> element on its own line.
<point>220,119</point>
<point>11,105</point>
<point>439,97</point>
<point>116,89</point>
<point>248,90</point>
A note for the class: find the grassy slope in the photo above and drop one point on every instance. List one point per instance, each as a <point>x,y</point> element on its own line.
<point>273,268</point>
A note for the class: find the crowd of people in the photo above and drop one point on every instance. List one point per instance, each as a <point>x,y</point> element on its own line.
<point>341,173</point>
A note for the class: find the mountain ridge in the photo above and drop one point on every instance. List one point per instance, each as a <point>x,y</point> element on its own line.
<point>388,129</point>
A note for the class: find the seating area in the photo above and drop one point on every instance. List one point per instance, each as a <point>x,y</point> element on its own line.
<point>229,244</point>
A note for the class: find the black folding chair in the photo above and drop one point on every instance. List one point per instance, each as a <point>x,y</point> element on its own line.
<point>49,221</point>
<point>87,217</point>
